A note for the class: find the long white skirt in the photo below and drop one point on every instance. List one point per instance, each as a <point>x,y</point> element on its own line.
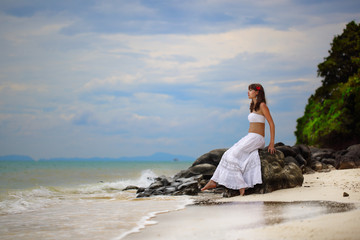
<point>240,165</point>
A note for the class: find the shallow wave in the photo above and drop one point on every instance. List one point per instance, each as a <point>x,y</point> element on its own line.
<point>27,200</point>
<point>148,219</point>
<point>20,201</point>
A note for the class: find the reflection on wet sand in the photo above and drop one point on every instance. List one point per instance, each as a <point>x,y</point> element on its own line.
<point>211,219</point>
<point>259,214</point>
<point>280,212</point>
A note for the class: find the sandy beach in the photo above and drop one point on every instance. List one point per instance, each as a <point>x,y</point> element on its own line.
<point>257,217</point>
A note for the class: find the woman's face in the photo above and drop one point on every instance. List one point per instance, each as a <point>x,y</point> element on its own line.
<point>252,93</point>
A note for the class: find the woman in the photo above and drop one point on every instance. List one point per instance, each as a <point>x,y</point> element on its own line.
<point>240,166</point>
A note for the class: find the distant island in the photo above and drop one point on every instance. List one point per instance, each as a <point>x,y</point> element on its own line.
<point>156,157</point>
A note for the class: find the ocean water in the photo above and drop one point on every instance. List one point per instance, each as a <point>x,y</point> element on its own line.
<point>80,199</point>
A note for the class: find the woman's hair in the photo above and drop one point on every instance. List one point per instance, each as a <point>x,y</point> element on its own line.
<point>260,97</point>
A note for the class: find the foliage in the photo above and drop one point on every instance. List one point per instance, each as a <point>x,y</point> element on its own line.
<point>332,115</point>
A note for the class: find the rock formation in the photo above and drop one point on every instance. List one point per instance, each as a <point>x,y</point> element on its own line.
<point>284,169</point>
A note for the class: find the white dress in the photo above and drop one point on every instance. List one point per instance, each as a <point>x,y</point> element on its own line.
<point>240,165</point>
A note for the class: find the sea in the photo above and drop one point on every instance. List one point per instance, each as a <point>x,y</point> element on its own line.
<point>81,199</point>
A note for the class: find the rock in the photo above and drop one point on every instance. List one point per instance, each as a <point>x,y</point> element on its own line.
<point>213,157</point>
<point>305,152</point>
<point>204,169</point>
<point>156,184</point>
<point>300,159</point>
<point>140,190</point>
<point>169,190</point>
<point>277,173</point>
<point>309,170</point>
<point>188,184</point>
<point>355,149</point>
<point>329,161</point>
<point>317,166</point>
<point>278,144</point>
<point>349,158</point>
<point>287,151</point>
<point>346,164</point>
<point>164,180</point>
<point>230,193</point>
<point>131,187</point>
<point>345,194</point>
<point>323,153</point>
<point>290,159</point>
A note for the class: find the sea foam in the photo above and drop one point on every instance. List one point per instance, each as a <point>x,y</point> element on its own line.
<point>18,201</point>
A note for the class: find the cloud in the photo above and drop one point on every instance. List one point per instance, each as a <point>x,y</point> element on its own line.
<point>110,78</point>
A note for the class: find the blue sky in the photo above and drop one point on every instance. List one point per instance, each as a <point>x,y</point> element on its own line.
<point>128,78</point>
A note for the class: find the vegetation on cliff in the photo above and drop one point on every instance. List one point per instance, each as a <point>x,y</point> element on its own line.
<point>332,115</point>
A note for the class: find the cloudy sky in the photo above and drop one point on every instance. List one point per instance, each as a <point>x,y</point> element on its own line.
<point>128,78</point>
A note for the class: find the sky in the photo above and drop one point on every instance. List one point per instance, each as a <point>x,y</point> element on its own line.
<point>131,78</point>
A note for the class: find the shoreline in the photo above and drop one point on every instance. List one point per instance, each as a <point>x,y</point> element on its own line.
<point>319,186</point>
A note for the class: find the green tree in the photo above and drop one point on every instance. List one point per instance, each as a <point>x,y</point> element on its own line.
<point>332,115</point>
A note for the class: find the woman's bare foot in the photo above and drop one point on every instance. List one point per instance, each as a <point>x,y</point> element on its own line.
<point>209,185</point>
<point>242,191</point>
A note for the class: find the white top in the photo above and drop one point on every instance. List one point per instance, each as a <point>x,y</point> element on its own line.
<point>254,117</point>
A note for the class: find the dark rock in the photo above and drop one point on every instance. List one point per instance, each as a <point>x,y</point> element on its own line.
<point>277,173</point>
<point>349,158</point>
<point>346,163</point>
<point>305,152</point>
<point>159,191</point>
<point>140,190</point>
<point>329,161</point>
<point>323,154</point>
<point>287,151</point>
<point>164,180</point>
<point>230,193</point>
<point>345,194</point>
<point>204,169</point>
<point>309,170</point>
<point>146,193</point>
<point>317,166</point>
<point>175,184</point>
<point>278,144</point>
<point>213,157</point>
<point>192,184</point>
<point>169,190</point>
<point>290,159</point>
<point>181,174</point>
<point>300,159</point>
<point>355,149</point>
<point>191,191</point>
<point>156,184</point>
<point>131,187</point>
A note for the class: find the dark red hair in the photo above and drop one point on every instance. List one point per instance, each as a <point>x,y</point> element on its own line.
<point>260,97</point>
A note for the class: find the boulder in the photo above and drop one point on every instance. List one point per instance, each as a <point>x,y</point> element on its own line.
<point>204,169</point>
<point>213,157</point>
<point>277,173</point>
<point>329,161</point>
<point>281,170</point>
<point>349,158</point>
<point>287,151</point>
<point>131,187</point>
<point>304,151</point>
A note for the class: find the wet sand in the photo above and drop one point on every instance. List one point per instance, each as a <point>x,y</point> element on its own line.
<point>317,210</point>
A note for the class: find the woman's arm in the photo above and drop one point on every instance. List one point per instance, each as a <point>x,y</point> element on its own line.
<point>266,112</point>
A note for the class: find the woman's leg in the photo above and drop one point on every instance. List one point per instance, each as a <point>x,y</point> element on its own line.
<point>209,185</point>
<point>242,191</point>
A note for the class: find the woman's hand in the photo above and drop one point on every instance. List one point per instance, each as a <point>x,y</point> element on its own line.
<point>271,148</point>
